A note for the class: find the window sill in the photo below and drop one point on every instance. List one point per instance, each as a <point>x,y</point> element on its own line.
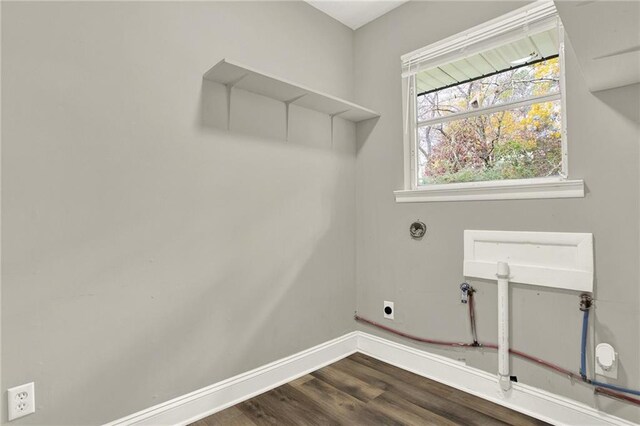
<point>521,189</point>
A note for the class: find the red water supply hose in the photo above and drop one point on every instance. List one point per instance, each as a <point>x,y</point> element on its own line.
<point>412,337</point>
<point>618,395</point>
<point>472,345</point>
<point>472,317</point>
<point>515,352</point>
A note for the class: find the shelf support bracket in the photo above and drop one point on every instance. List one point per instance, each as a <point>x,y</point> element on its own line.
<point>286,110</point>
<point>332,116</point>
<point>229,86</point>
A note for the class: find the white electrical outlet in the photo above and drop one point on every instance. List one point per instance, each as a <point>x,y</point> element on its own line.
<point>388,310</point>
<point>21,401</point>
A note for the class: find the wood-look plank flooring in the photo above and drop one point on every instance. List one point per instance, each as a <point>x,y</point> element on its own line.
<point>360,390</point>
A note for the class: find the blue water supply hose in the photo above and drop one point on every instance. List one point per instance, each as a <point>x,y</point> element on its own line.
<point>583,360</point>
<point>583,346</point>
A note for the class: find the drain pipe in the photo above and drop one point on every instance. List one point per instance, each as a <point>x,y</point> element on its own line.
<point>573,376</point>
<point>607,389</point>
<point>503,326</point>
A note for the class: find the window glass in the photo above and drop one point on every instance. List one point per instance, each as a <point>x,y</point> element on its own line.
<point>524,142</point>
<point>537,79</point>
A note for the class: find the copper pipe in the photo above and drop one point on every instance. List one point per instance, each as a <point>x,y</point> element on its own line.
<point>472,345</point>
<point>412,337</point>
<point>515,352</point>
<point>546,364</point>
<point>472,317</point>
<point>617,395</point>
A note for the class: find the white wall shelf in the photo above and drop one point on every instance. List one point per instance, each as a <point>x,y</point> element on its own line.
<point>234,75</point>
<point>606,39</point>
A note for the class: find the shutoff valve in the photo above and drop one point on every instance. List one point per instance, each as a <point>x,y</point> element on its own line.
<point>465,289</point>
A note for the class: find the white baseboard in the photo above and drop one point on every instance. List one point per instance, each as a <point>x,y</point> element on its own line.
<point>211,399</point>
<point>535,402</point>
<point>543,405</point>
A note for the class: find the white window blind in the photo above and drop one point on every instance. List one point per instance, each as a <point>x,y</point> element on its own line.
<point>523,36</point>
<point>510,68</point>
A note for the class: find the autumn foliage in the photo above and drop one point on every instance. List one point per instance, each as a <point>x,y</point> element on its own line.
<point>523,142</point>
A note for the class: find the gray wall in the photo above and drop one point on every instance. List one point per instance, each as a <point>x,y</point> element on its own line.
<point>422,277</point>
<point>147,252</point>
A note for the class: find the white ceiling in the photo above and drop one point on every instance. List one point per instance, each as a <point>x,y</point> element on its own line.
<point>355,13</point>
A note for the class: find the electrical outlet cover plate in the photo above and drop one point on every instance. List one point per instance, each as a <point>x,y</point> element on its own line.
<point>389,310</point>
<point>21,401</point>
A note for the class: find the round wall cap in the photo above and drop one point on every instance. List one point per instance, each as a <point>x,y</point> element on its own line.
<point>605,355</point>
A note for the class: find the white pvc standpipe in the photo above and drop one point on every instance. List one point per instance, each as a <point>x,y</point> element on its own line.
<point>503,326</point>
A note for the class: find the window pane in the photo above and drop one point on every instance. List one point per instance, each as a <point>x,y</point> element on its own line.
<point>521,143</point>
<point>541,78</point>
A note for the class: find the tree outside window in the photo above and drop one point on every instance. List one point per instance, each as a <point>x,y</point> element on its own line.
<point>492,128</point>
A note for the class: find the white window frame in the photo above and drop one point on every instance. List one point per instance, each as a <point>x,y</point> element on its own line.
<point>484,36</point>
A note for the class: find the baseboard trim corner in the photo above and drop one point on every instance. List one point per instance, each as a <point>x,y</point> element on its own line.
<point>526,399</point>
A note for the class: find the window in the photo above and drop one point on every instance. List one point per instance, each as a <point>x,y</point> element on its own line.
<point>484,113</point>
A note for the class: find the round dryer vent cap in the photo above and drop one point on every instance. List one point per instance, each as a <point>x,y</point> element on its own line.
<point>605,355</point>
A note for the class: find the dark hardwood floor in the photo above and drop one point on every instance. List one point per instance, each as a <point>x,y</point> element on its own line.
<point>360,390</point>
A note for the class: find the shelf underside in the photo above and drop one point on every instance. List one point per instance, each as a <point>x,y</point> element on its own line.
<point>241,77</point>
<point>605,36</point>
